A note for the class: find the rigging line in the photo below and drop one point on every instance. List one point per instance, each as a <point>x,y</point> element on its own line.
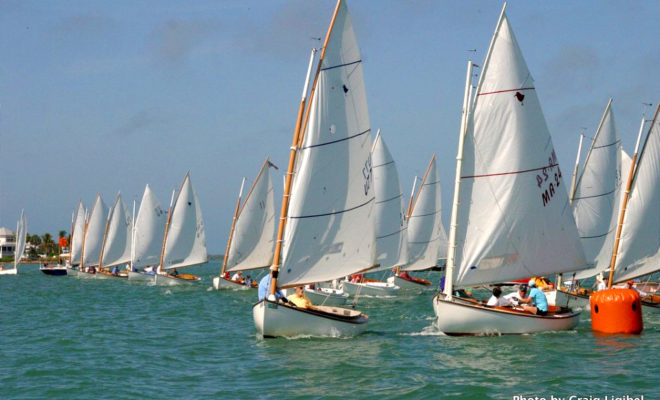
<point>424,215</point>
<point>390,199</point>
<point>595,196</point>
<point>607,145</point>
<point>337,141</point>
<point>390,234</point>
<point>507,90</point>
<point>341,65</point>
<point>597,236</point>
<point>382,165</point>
<point>431,183</point>
<point>511,173</point>
<point>334,213</point>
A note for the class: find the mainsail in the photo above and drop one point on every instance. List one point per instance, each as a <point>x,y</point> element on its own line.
<point>329,229</point>
<point>253,240</point>
<point>95,232</point>
<point>185,244</point>
<point>21,238</point>
<point>390,222</point>
<point>639,250</point>
<point>149,231</point>
<point>514,220</point>
<point>117,248</point>
<point>77,234</point>
<point>597,195</point>
<point>425,232</point>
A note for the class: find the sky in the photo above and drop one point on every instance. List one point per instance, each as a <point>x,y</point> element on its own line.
<point>102,97</point>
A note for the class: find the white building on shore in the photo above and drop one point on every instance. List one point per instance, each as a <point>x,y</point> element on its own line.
<point>7,242</point>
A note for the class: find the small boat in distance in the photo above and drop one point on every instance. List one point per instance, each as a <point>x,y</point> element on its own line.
<point>21,237</point>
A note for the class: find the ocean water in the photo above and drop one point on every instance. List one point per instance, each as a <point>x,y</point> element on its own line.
<point>64,338</point>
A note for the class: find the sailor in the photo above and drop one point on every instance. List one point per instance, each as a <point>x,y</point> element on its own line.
<point>537,297</point>
<point>299,299</point>
<point>497,300</point>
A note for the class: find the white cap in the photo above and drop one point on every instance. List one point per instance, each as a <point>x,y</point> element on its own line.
<point>531,283</point>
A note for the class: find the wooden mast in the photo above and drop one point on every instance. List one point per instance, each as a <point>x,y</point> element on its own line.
<point>231,229</point>
<point>575,170</point>
<point>82,246</point>
<point>412,196</point>
<point>624,205</point>
<point>411,203</point>
<point>297,140</point>
<point>167,223</point>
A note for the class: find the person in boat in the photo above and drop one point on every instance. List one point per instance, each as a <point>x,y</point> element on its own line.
<point>299,299</point>
<point>237,277</point>
<point>150,270</point>
<point>404,275</point>
<point>520,294</point>
<point>602,283</point>
<point>264,289</point>
<point>248,281</point>
<point>464,293</point>
<point>226,275</point>
<point>115,270</point>
<point>496,300</point>
<point>536,297</point>
<point>174,272</point>
<point>629,285</point>
<point>356,278</point>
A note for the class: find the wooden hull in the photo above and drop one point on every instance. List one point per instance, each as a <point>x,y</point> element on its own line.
<point>406,284</point>
<point>373,289</point>
<point>220,283</point>
<point>171,280</point>
<point>462,317</point>
<point>278,320</point>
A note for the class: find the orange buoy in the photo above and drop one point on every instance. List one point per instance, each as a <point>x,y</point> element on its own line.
<point>616,311</point>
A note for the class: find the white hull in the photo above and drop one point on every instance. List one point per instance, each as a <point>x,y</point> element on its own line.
<point>460,317</point>
<point>12,271</point>
<point>220,283</point>
<point>405,284</point>
<point>277,320</point>
<point>374,289</point>
<point>570,300</point>
<point>327,297</point>
<point>140,276</point>
<point>168,280</point>
<point>72,272</point>
<point>85,275</point>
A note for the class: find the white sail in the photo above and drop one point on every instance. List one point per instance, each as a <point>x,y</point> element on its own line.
<point>391,240</point>
<point>514,220</point>
<point>117,248</point>
<point>95,232</point>
<point>425,231</point>
<point>330,227</point>
<point>21,238</point>
<point>149,230</point>
<point>597,195</point>
<point>253,242</point>
<point>186,240</point>
<point>77,234</point>
<point>639,249</point>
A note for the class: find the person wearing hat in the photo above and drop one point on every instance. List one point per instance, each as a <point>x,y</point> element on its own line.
<point>299,298</point>
<point>536,297</point>
<point>629,285</point>
<point>602,283</point>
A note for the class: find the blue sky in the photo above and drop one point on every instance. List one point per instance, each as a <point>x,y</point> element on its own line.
<point>99,96</point>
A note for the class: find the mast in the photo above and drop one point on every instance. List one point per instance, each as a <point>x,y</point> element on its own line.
<point>133,231</point>
<point>622,212</point>
<point>453,224</point>
<point>412,196</point>
<point>575,170</point>
<point>231,230</point>
<point>297,139</point>
<point>411,206</point>
<point>82,245</point>
<point>167,227</point>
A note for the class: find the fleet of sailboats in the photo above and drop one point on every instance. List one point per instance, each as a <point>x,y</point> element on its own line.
<point>343,211</point>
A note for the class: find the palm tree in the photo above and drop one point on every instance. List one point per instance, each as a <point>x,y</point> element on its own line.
<point>47,239</point>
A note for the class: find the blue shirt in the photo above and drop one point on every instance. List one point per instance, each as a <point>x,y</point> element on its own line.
<point>539,299</point>
<point>264,288</point>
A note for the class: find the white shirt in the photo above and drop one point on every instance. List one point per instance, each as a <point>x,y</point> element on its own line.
<point>501,302</point>
<point>601,286</point>
<point>236,277</point>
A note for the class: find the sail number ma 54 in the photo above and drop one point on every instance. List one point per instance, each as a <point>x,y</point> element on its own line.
<point>549,179</point>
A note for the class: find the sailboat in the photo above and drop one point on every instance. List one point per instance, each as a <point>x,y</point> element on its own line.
<point>510,216</point>
<point>251,240</point>
<point>184,244</point>
<point>326,221</point>
<point>21,238</point>
<point>637,245</point>
<point>390,224</point>
<point>93,239</point>
<point>116,247</point>
<point>426,235</point>
<point>147,237</point>
<point>595,202</point>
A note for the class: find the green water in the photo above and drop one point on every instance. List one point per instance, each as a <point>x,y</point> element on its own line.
<point>64,338</point>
